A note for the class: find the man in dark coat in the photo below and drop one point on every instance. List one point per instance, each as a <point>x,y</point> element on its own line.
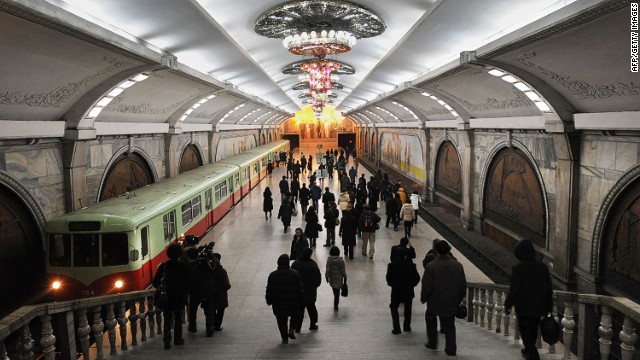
<point>348,230</point>
<point>327,197</point>
<point>331,216</point>
<point>285,295</point>
<point>221,296</point>
<point>404,249</point>
<point>311,280</point>
<point>283,185</point>
<point>204,290</point>
<point>298,244</point>
<point>295,189</point>
<point>368,225</point>
<point>175,275</point>
<point>402,276</point>
<point>284,213</point>
<point>304,195</point>
<point>444,286</point>
<point>531,294</point>
<point>303,164</point>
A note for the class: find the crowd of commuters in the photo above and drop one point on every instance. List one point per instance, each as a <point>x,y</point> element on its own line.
<point>292,288</point>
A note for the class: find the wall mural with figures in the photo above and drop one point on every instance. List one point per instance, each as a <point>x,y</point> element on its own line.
<point>404,153</point>
<point>234,146</point>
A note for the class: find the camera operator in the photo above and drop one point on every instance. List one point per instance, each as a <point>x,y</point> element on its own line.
<point>203,290</point>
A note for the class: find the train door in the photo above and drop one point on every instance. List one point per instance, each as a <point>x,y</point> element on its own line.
<point>208,218</point>
<point>145,254</point>
<point>234,199</point>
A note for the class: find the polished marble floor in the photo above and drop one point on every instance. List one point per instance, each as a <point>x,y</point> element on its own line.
<point>360,329</point>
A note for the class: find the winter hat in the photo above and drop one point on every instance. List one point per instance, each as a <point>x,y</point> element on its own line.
<point>442,247</point>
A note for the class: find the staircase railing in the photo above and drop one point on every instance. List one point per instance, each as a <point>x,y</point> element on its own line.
<point>581,316</point>
<point>66,324</point>
<point>587,321</point>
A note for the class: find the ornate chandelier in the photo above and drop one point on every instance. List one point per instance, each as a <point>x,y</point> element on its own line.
<point>317,29</point>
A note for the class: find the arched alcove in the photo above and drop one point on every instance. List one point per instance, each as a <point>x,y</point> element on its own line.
<point>128,172</point>
<point>21,248</point>
<point>513,201</point>
<point>262,139</point>
<point>190,159</point>
<point>448,178</point>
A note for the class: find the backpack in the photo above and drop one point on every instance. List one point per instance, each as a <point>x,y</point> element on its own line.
<point>369,224</point>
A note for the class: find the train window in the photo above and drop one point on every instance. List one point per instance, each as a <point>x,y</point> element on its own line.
<point>256,167</point>
<point>115,248</point>
<point>60,250</point>
<point>169,224</point>
<point>197,208</point>
<point>144,237</point>
<point>218,195</point>
<point>186,213</point>
<point>223,189</point>
<point>207,199</point>
<point>86,250</point>
<point>237,179</point>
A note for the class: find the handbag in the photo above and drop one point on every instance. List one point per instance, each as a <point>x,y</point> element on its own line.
<point>294,212</point>
<point>319,227</point>
<point>337,221</point>
<point>344,290</point>
<point>462,311</point>
<point>549,329</point>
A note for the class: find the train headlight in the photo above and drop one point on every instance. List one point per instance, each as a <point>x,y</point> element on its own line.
<point>56,285</point>
<point>119,284</point>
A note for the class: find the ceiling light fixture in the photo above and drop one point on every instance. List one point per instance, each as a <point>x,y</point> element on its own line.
<point>537,100</point>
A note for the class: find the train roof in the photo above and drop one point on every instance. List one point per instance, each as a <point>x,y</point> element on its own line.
<point>126,212</point>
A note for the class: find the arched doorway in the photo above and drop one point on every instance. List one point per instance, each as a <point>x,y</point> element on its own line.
<point>514,201</point>
<point>129,172</point>
<point>190,160</point>
<point>374,146</point>
<point>620,244</point>
<point>366,143</point>
<point>21,253</point>
<point>270,138</point>
<point>262,139</point>
<point>448,178</point>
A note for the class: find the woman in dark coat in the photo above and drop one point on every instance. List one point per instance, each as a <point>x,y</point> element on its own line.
<point>311,227</point>
<point>177,280</point>
<point>531,293</point>
<point>311,280</point>
<point>284,214</point>
<point>348,231</point>
<point>267,203</point>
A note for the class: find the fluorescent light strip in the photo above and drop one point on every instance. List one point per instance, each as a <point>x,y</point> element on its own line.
<point>541,104</point>
<point>388,112</point>
<point>442,103</point>
<point>374,114</point>
<point>105,100</point>
<point>195,106</point>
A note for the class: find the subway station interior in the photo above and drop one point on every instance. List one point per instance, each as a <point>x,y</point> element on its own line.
<point>512,119</point>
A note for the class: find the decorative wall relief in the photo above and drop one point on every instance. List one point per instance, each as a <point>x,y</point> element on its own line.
<point>581,88</point>
<point>448,177</point>
<point>234,146</point>
<point>141,109</point>
<point>404,153</point>
<point>519,100</point>
<point>58,96</point>
<point>514,198</point>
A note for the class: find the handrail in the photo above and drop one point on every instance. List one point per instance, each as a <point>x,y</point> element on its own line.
<point>17,319</point>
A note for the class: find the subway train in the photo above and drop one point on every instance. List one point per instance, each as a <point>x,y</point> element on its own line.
<point>116,245</point>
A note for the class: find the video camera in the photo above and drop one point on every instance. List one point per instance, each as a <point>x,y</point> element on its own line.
<point>205,255</point>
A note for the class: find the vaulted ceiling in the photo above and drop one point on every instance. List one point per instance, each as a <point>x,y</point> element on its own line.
<point>429,68</point>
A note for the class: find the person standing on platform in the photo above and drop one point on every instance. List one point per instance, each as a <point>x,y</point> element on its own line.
<point>295,189</point>
<point>311,227</point>
<point>331,217</point>
<point>335,274</point>
<point>344,182</point>
<point>444,286</point>
<point>392,210</point>
<point>267,202</point>
<point>415,203</point>
<point>304,196</point>
<point>269,168</point>
<point>310,163</point>
<point>368,224</point>
<point>298,244</point>
<point>532,295</point>
<point>348,230</point>
<point>311,280</point>
<point>285,295</point>
<point>327,197</point>
<point>316,193</point>
<point>284,186</point>
<point>406,214</point>
<point>202,292</point>
<point>353,174</point>
<point>303,163</point>
<point>402,276</point>
<point>296,170</point>
<point>285,212</point>
<point>221,296</point>
<point>175,275</point>
<point>343,201</point>
<point>404,248</point>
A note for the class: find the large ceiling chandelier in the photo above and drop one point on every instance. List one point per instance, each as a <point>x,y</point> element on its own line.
<point>317,29</point>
